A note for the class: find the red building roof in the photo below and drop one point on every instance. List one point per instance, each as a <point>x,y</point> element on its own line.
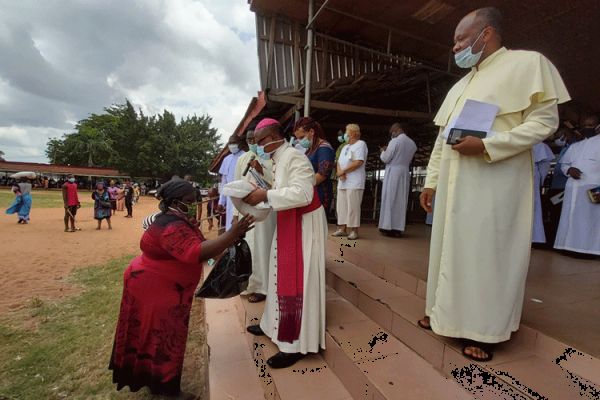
<point>41,169</point>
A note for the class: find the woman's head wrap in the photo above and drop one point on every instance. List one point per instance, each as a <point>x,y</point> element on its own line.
<point>175,189</point>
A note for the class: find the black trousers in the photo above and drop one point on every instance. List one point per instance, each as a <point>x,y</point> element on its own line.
<point>129,206</point>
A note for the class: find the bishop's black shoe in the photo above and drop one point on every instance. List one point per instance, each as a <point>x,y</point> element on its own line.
<point>284,360</point>
<point>255,330</point>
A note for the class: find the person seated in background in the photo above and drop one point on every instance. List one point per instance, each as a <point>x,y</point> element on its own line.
<point>158,289</point>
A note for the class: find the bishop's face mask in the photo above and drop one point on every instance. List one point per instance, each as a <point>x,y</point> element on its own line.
<point>465,58</point>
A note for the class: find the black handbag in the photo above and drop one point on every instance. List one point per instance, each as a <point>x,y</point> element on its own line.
<point>230,276</point>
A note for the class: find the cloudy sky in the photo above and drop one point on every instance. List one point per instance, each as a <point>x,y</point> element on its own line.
<point>61,60</point>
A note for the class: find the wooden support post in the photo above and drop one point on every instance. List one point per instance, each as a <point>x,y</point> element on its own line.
<point>270,51</point>
<point>310,39</point>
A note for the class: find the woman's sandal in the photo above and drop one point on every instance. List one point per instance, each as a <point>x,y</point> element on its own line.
<point>485,347</point>
<point>423,325</point>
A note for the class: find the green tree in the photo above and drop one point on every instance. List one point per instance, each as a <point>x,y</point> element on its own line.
<point>142,146</point>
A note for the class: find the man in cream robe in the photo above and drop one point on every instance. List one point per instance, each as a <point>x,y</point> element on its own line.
<point>481,235</point>
<point>293,189</point>
<point>579,227</point>
<point>542,157</point>
<point>260,238</point>
<point>397,157</point>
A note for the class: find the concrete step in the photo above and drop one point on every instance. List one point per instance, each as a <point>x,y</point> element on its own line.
<point>309,379</point>
<point>411,278</point>
<point>232,374</point>
<point>528,366</point>
<point>374,365</point>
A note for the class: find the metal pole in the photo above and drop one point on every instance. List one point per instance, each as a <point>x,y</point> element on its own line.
<point>309,54</point>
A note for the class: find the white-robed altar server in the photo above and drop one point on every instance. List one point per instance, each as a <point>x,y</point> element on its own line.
<point>227,172</point>
<point>294,314</point>
<point>397,157</point>
<point>481,234</point>
<point>579,226</point>
<point>260,238</point>
<point>542,158</point>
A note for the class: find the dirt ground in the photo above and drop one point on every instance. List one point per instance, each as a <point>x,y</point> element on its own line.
<point>36,258</point>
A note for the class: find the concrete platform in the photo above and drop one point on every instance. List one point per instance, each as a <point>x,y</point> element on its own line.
<point>562,296</point>
<point>532,364</point>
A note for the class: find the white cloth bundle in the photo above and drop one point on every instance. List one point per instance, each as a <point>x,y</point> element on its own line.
<point>237,190</point>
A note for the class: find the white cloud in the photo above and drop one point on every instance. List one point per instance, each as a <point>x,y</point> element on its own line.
<point>63,60</point>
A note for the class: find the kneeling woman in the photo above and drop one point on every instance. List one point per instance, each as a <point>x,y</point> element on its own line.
<point>158,290</point>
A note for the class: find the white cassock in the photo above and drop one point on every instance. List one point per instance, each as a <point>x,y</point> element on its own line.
<point>579,226</point>
<point>396,182</point>
<point>542,157</point>
<point>227,172</point>
<point>260,238</point>
<point>293,188</point>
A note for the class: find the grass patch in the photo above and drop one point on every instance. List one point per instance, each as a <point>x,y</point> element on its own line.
<point>46,198</point>
<point>61,350</point>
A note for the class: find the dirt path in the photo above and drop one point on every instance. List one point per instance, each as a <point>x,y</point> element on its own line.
<point>36,258</point>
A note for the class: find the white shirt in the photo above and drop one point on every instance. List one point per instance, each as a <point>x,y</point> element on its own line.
<point>354,152</point>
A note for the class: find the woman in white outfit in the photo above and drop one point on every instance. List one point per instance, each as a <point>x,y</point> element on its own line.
<point>351,174</point>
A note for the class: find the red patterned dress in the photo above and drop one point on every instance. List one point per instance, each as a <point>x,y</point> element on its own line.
<point>155,309</point>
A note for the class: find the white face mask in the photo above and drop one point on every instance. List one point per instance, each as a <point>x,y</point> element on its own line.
<point>465,58</point>
<point>233,148</point>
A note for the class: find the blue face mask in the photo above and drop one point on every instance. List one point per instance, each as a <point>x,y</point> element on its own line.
<point>346,137</point>
<point>341,138</point>
<point>306,143</point>
<point>253,147</point>
<point>465,58</point>
<point>260,150</point>
<point>72,180</point>
<point>233,148</point>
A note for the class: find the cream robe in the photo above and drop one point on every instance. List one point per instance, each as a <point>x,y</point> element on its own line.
<point>396,182</point>
<point>259,239</point>
<point>294,180</point>
<point>579,226</point>
<point>481,235</point>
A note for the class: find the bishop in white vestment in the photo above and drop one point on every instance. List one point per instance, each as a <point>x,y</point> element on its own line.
<point>294,314</point>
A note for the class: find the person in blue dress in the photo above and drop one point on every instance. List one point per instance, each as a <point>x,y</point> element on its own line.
<point>321,154</point>
<point>22,203</point>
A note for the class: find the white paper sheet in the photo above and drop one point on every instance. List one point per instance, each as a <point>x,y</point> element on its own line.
<point>476,116</point>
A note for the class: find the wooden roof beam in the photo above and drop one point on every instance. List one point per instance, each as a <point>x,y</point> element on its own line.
<point>328,105</point>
